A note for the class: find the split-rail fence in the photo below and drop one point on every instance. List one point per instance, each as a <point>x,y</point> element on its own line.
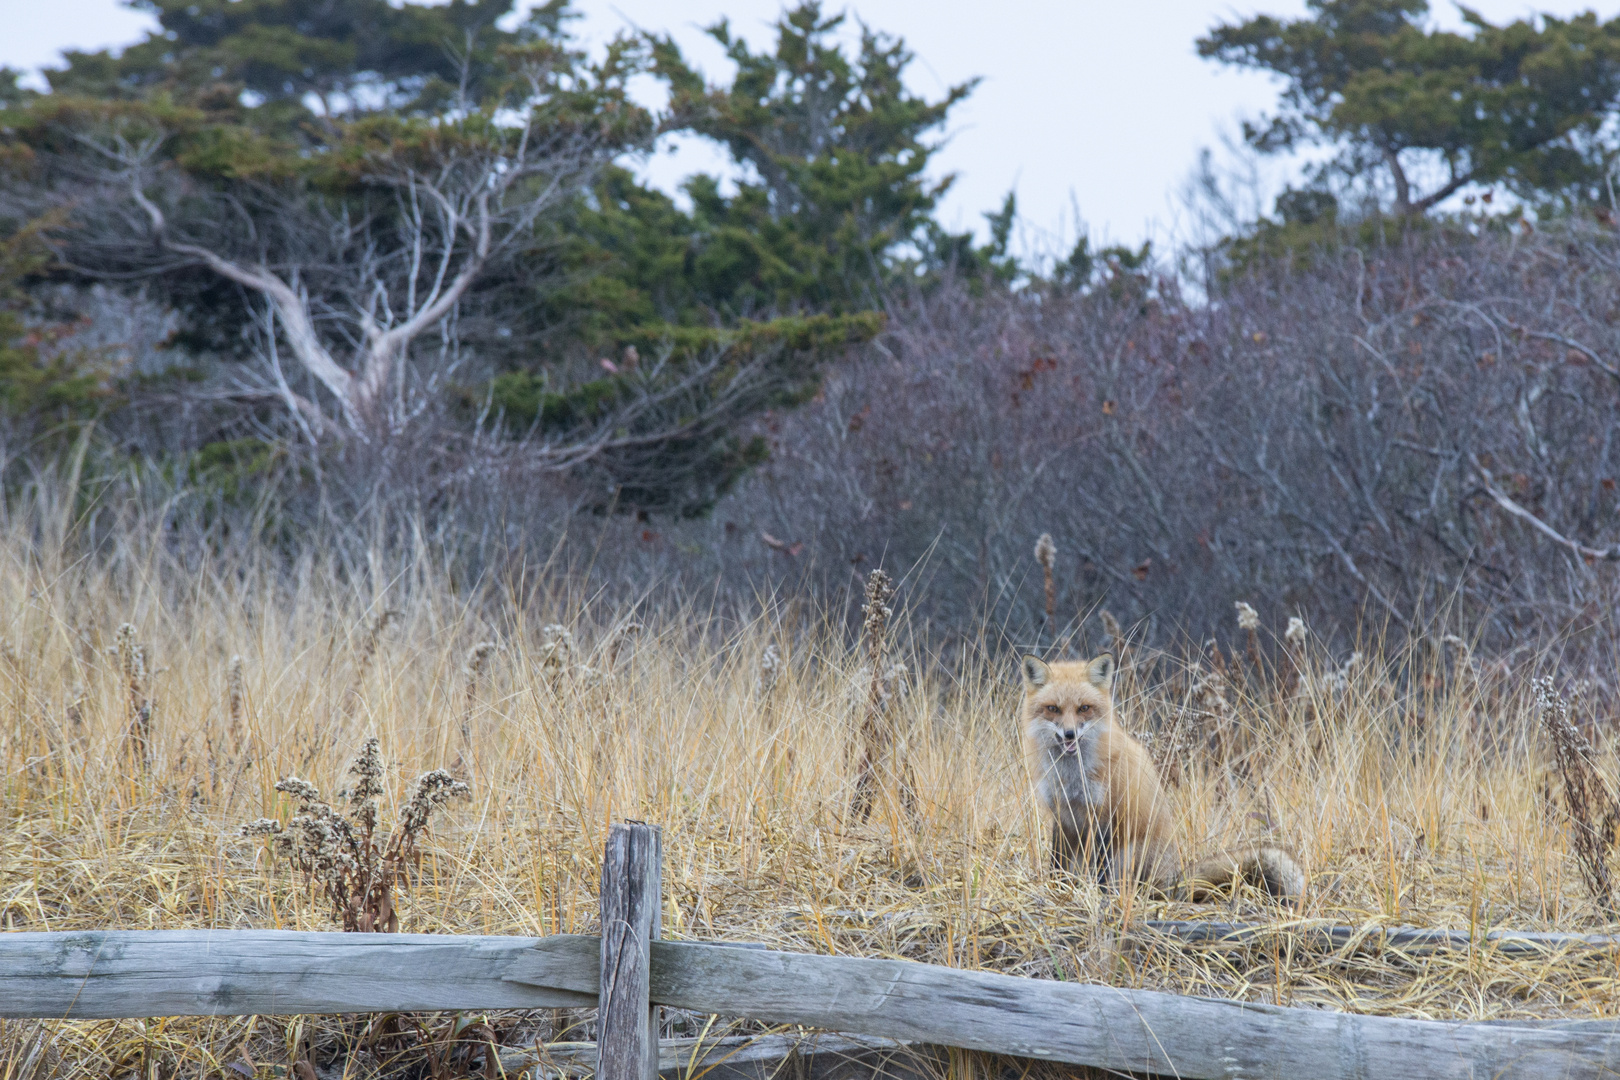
<point>628,972</point>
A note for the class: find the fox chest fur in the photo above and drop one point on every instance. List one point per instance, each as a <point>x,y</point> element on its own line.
<point>1094,782</point>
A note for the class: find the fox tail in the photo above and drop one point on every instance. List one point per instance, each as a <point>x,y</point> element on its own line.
<point>1264,866</point>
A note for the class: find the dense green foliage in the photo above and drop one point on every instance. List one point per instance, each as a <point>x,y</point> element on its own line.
<point>1430,111</point>
<point>300,180</point>
<point>36,383</point>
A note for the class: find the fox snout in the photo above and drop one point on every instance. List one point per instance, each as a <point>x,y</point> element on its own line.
<point>1069,740</point>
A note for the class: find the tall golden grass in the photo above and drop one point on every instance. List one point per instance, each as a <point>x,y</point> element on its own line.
<point>1415,784</point>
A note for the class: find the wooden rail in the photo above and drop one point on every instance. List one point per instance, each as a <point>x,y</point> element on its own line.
<point>1366,938</point>
<point>191,972</point>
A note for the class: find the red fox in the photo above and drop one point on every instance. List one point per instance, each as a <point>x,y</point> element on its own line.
<point>1110,816</point>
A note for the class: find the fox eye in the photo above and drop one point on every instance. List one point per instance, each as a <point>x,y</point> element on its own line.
<point>1084,709</point>
<point>1052,710</point>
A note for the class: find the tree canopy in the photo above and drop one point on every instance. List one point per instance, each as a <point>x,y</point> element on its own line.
<point>371,213</point>
<point>1427,111</point>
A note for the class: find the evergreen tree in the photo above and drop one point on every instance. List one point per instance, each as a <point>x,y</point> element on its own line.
<point>1430,111</point>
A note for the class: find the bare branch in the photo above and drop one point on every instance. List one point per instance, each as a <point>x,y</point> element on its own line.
<point>1591,554</point>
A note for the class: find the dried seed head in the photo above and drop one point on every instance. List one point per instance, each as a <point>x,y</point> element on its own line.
<point>236,693</point>
<point>477,655</point>
<point>1295,634</point>
<point>1111,626</point>
<point>368,768</point>
<point>1045,551</point>
<point>302,790</point>
<point>879,591</point>
<point>262,827</point>
<point>770,669</point>
<point>432,790</point>
<point>622,635</point>
<point>125,638</point>
<point>1209,691</point>
<point>894,684</point>
<point>557,650</point>
<point>1248,618</point>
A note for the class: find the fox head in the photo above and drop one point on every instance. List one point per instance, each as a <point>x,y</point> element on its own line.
<point>1067,703</point>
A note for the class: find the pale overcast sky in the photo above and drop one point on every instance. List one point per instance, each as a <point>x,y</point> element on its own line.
<point>1091,106</point>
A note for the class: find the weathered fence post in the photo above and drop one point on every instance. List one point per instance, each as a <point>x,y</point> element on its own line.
<point>632,895</point>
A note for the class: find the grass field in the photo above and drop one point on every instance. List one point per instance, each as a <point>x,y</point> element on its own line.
<point>1415,784</point>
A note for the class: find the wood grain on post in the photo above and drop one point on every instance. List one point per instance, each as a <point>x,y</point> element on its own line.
<point>632,899</point>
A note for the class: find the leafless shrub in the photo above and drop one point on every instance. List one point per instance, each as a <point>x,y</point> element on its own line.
<point>1308,437</point>
<point>1594,815</point>
<point>339,853</point>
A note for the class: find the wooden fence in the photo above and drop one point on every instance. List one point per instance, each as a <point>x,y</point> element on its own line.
<point>628,972</point>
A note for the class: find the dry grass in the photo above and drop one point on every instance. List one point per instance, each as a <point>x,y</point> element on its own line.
<point>1416,785</point>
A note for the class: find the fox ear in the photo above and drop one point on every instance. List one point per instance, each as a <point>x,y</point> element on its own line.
<point>1035,673</point>
<point>1101,672</point>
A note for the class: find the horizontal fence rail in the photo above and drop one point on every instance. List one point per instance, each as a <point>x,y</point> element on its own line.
<point>144,973</point>
<point>241,972</point>
<point>1377,938</point>
<point>730,1057</point>
<point>1369,937</point>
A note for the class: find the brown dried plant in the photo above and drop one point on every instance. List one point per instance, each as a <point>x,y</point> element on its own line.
<point>876,749</point>
<point>339,854</point>
<point>622,636</point>
<point>770,672</point>
<point>236,702</point>
<point>364,659</point>
<point>132,662</point>
<point>1249,622</point>
<point>477,657</point>
<point>1593,812</point>
<point>1046,555</point>
<point>1294,639</point>
<point>557,663</point>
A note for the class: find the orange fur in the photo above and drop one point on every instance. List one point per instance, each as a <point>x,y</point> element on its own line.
<point>1100,790</point>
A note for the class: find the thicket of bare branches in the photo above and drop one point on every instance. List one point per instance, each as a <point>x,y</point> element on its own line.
<point>1395,434</point>
<point>1428,428</point>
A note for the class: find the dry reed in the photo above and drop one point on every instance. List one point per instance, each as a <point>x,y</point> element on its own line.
<point>878,761</point>
<point>1046,555</point>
